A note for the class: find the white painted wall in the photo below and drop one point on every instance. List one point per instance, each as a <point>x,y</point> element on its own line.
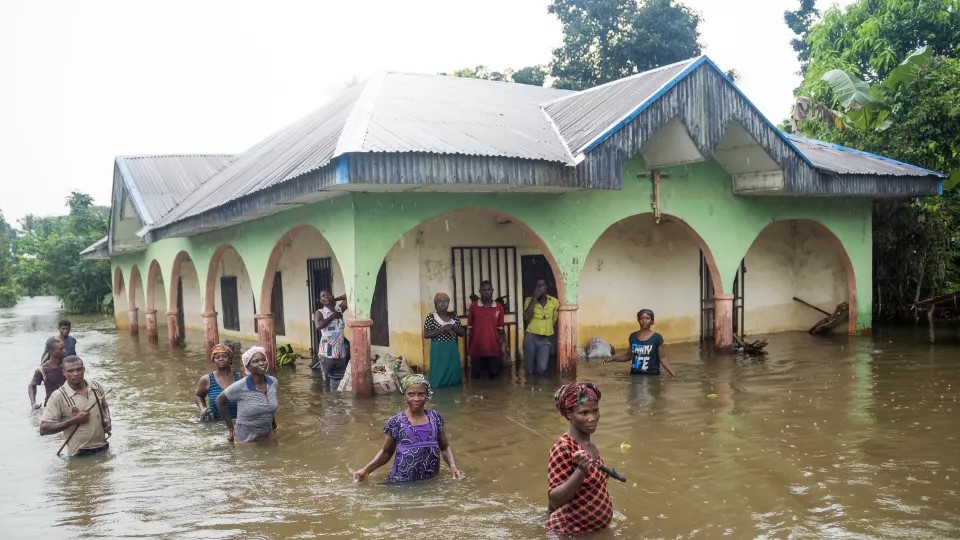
<point>121,305</point>
<point>418,267</point>
<point>789,259</point>
<point>308,244</point>
<point>638,264</point>
<point>232,265</point>
<point>139,297</point>
<point>192,306</point>
<point>160,301</point>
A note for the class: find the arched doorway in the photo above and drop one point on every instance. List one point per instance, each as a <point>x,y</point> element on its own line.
<point>137,299</point>
<point>121,301</point>
<point>637,263</point>
<point>156,299</point>
<point>229,293</point>
<point>185,296</point>
<point>796,259</point>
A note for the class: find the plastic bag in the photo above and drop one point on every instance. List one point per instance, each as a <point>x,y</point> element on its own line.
<point>598,348</point>
<point>346,383</point>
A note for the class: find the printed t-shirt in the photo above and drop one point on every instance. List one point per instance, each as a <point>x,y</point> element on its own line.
<point>645,355</point>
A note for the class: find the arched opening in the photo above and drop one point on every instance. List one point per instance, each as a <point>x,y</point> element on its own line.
<point>137,298</point>
<point>121,302</point>
<point>301,264</point>
<point>452,253</point>
<point>156,293</point>
<point>230,294</point>
<point>796,258</point>
<point>185,295</point>
<point>637,263</point>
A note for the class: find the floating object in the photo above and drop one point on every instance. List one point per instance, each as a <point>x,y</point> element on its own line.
<point>839,315</point>
<point>712,396</point>
<point>755,348</point>
<point>624,446</point>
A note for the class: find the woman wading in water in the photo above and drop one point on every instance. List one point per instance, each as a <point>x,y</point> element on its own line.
<point>212,384</point>
<point>646,353</point>
<point>256,398</point>
<point>415,437</point>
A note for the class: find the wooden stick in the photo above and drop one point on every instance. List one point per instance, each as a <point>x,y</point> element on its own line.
<point>827,313</point>
<point>76,427</point>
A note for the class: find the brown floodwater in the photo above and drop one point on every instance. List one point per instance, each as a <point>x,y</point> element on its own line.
<point>826,438</point>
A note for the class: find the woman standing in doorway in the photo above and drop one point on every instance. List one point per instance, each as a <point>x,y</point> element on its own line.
<point>333,350</point>
<point>443,329</point>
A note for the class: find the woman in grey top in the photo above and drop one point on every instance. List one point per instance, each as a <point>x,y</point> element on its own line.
<point>256,399</point>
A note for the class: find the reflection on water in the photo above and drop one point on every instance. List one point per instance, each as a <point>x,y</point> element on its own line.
<point>831,437</point>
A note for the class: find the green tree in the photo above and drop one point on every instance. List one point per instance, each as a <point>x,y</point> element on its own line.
<point>800,22</point>
<point>9,293</point>
<point>533,75</point>
<point>605,40</point>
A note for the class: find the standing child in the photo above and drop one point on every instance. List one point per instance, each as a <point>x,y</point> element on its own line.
<point>579,501</point>
<point>646,353</point>
<point>417,438</point>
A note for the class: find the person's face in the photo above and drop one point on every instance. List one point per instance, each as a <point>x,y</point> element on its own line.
<point>486,292</point>
<point>73,372</point>
<point>64,331</point>
<point>326,298</point>
<point>222,360</point>
<point>540,285</point>
<point>645,321</point>
<point>416,397</point>
<point>442,305</point>
<point>56,350</point>
<point>585,416</point>
<point>258,364</point>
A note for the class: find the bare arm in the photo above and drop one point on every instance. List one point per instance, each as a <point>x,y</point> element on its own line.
<point>203,389</point>
<point>225,414</point>
<point>622,357</point>
<point>566,491</point>
<point>447,454</point>
<point>382,457</point>
<point>528,311</point>
<point>32,394</point>
<point>320,322</point>
<point>52,428</point>
<point>662,353</point>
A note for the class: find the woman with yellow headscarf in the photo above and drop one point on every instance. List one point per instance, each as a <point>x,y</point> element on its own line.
<point>443,329</point>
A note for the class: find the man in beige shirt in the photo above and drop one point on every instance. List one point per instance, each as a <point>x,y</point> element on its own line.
<point>80,409</point>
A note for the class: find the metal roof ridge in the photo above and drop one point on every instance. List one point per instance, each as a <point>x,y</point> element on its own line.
<point>354,131</point>
<point>174,155</point>
<point>618,81</point>
<point>134,192</point>
<point>843,148</point>
<point>563,142</point>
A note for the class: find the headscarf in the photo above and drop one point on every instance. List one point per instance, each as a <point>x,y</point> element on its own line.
<point>411,380</point>
<point>440,296</point>
<point>249,354</point>
<point>648,312</point>
<point>576,393</point>
<point>221,348</point>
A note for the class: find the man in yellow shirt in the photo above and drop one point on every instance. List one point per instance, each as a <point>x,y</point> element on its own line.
<point>540,313</point>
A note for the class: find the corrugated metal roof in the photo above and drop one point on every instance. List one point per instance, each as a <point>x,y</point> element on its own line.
<point>97,250</point>
<point>158,183</point>
<point>843,160</point>
<point>585,116</point>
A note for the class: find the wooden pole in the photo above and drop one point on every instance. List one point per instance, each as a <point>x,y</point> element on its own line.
<point>827,313</point>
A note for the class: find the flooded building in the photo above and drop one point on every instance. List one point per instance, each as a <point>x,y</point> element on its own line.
<point>667,190</point>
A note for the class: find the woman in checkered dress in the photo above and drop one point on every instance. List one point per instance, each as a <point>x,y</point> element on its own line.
<point>579,500</point>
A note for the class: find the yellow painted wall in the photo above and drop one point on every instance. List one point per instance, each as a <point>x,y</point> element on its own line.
<point>638,264</point>
<point>788,259</point>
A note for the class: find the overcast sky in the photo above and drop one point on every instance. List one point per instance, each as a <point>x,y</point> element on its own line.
<point>85,81</point>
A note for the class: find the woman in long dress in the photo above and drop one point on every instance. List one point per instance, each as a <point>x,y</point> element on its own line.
<point>443,329</point>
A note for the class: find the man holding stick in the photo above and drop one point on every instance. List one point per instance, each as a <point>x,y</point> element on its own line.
<point>80,407</point>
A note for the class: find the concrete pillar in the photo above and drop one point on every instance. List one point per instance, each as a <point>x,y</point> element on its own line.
<point>723,322</point>
<point>134,321</point>
<point>361,373</point>
<point>152,332</point>
<point>567,340</point>
<point>266,330</point>
<point>172,329</point>
<point>211,334</point>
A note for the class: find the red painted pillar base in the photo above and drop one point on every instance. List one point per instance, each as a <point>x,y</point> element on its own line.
<point>172,329</point>
<point>723,323</point>
<point>134,321</point>
<point>567,341</point>
<point>361,373</point>
<point>152,332</point>
<point>211,334</point>
<point>266,330</point>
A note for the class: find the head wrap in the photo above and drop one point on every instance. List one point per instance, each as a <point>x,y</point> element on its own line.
<point>412,380</point>
<point>249,354</point>
<point>648,312</point>
<point>575,393</point>
<point>221,348</point>
<point>440,296</point>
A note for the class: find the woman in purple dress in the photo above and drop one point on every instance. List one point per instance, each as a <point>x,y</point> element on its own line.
<point>415,437</point>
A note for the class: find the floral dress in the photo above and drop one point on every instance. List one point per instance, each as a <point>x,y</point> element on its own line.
<point>417,456</point>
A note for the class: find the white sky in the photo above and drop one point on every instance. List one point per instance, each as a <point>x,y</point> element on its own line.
<point>84,81</point>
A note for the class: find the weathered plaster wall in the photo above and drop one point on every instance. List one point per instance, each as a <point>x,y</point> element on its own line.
<point>192,297</point>
<point>138,285</point>
<point>159,300</point>
<point>639,264</point>
<point>232,265</point>
<point>120,302</point>
<point>788,259</point>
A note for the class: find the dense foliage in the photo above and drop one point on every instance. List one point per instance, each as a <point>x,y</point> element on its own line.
<point>605,40</point>
<point>48,256</point>
<point>8,289</point>
<point>917,241</point>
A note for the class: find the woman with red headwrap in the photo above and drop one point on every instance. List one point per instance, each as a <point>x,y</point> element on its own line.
<point>579,500</point>
<point>213,383</point>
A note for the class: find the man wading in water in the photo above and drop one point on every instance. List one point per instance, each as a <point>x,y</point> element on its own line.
<point>78,406</point>
<point>50,373</point>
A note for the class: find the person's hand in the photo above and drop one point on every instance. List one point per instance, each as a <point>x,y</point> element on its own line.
<point>605,360</point>
<point>583,460</point>
<point>206,415</point>
<point>107,425</point>
<point>230,436</point>
<point>36,406</point>
<point>456,473</point>
<point>80,418</point>
<point>360,475</point>
<point>540,292</point>
<point>336,315</point>
<point>342,305</point>
<point>474,297</point>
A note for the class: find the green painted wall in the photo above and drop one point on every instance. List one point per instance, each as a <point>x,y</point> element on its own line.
<point>363,227</point>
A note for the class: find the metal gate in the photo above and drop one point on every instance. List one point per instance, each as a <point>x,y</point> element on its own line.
<point>739,284</point>
<point>470,266</point>
<point>708,303</point>
<point>319,278</point>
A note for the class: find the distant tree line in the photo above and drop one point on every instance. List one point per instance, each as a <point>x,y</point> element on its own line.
<point>43,258</point>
